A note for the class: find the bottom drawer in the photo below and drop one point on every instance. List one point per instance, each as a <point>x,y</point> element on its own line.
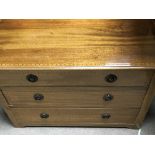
<point>74,117</point>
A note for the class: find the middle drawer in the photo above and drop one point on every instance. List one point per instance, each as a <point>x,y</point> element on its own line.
<point>74,96</point>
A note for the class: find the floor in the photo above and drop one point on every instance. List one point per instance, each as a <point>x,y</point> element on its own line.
<point>148,128</point>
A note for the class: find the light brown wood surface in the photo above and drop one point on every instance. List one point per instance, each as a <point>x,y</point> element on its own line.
<point>76,43</point>
<point>74,117</point>
<point>3,102</point>
<point>75,77</point>
<point>71,59</point>
<point>146,102</point>
<point>75,97</point>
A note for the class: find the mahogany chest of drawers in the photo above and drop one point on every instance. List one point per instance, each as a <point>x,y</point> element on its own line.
<point>77,72</point>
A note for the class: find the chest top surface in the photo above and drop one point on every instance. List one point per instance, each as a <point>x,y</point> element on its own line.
<point>77,44</point>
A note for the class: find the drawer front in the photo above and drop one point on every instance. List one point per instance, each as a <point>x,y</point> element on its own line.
<point>75,78</point>
<point>71,117</point>
<point>75,96</point>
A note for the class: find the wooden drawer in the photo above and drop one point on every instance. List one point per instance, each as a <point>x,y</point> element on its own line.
<point>75,78</point>
<point>73,117</point>
<point>75,96</point>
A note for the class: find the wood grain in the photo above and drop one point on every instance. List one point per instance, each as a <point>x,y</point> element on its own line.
<point>75,77</point>
<point>76,43</point>
<point>7,110</point>
<point>3,102</point>
<point>146,102</point>
<point>71,59</point>
<point>87,97</point>
<point>74,117</point>
<point>110,25</point>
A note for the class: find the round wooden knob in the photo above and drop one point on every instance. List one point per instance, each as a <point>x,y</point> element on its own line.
<point>106,116</point>
<point>38,97</point>
<point>44,115</point>
<point>111,78</point>
<point>108,97</point>
<point>32,78</point>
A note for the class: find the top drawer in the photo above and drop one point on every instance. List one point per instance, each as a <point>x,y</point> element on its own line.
<point>75,77</point>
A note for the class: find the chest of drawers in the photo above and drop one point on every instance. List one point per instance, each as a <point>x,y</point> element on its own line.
<point>77,72</point>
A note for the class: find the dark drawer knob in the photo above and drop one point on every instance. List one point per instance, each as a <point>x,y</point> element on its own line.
<point>108,97</point>
<point>38,97</point>
<point>111,78</point>
<point>44,115</point>
<point>106,116</point>
<point>32,78</point>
